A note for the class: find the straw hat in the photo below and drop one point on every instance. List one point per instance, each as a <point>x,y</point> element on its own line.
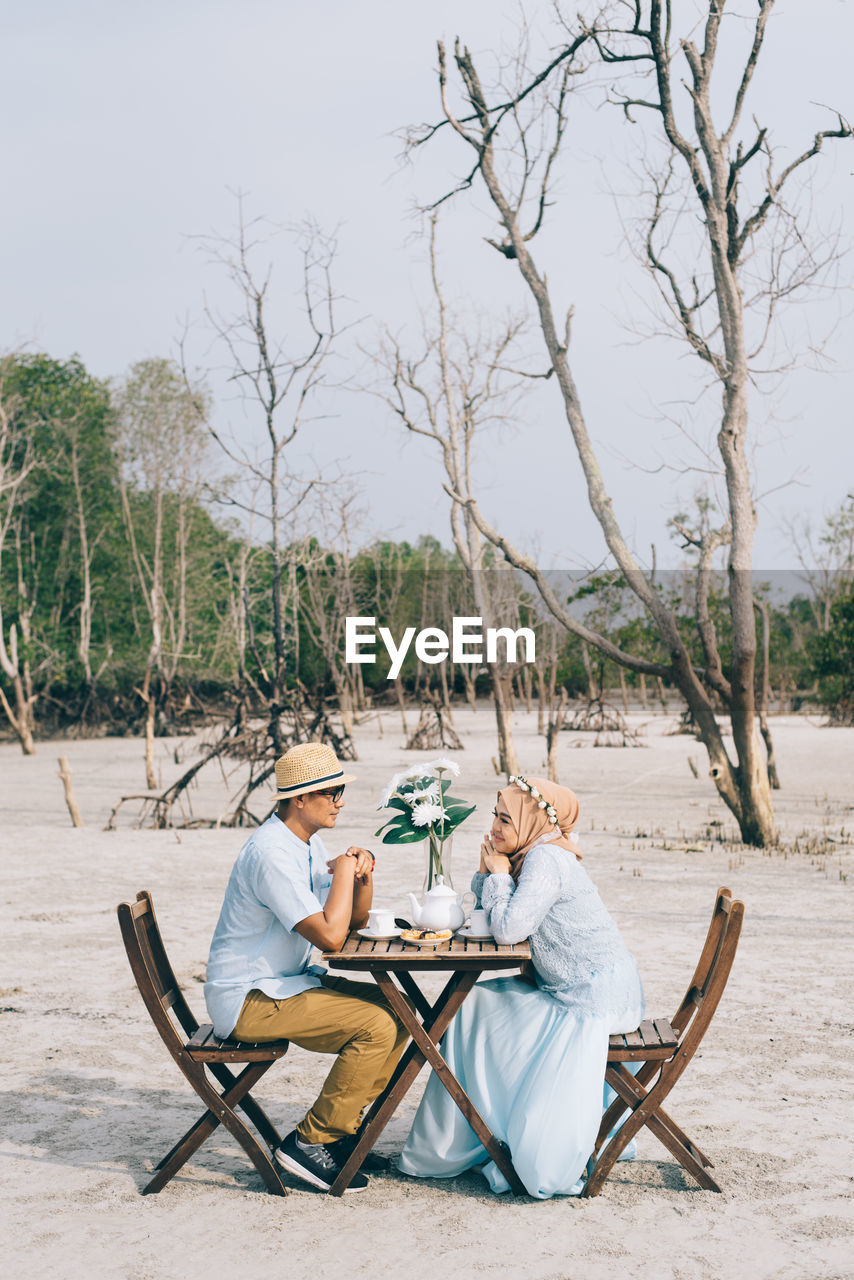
<point>312,766</point>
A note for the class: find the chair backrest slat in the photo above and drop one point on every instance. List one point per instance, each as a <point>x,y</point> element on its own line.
<point>708,962</point>
<point>701,1000</point>
<point>154,975</point>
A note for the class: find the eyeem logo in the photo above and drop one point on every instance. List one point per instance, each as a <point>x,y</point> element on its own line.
<point>432,644</point>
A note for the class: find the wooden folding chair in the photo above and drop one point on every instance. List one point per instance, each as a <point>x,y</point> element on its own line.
<point>199,1053</point>
<point>664,1050</point>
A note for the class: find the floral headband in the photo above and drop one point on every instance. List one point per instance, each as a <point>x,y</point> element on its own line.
<point>524,785</point>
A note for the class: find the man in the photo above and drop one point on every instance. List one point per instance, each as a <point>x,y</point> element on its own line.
<point>284,896</point>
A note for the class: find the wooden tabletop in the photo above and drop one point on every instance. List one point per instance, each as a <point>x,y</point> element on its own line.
<point>456,953</point>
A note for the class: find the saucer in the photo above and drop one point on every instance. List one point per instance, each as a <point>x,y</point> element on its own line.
<point>378,937</point>
<point>463,932</point>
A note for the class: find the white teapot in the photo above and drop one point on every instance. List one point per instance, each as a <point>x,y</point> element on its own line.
<point>441,908</point>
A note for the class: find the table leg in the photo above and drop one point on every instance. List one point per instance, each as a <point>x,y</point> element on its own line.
<point>423,1048</point>
<point>416,995</point>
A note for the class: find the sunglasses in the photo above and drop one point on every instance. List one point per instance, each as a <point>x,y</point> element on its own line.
<point>334,794</point>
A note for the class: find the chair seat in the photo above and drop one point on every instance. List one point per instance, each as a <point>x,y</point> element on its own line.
<point>653,1039</point>
<point>205,1046</point>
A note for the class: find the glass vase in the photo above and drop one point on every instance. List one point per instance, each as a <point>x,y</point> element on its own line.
<point>438,861</point>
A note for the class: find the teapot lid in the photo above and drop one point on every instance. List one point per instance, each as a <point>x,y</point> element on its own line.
<point>440,890</point>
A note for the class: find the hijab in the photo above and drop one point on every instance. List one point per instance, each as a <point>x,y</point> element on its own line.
<point>532,823</point>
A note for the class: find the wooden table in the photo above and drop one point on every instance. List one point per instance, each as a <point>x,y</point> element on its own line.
<point>387,961</point>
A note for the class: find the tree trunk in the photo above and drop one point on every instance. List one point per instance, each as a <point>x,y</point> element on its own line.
<point>150,775</point>
<point>764,691</point>
<point>526,688</point>
<point>507,761</point>
<point>446,700</point>
<point>553,735</point>
<point>401,701</point>
<point>588,671</point>
<point>541,697</point>
<point>345,706</point>
<point>470,686</point>
<point>150,703</point>
<point>623,691</point>
<point>21,719</point>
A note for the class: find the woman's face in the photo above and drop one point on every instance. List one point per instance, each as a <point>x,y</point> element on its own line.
<point>504,835</point>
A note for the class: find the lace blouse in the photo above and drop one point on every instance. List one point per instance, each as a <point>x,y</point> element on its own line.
<point>578,954</point>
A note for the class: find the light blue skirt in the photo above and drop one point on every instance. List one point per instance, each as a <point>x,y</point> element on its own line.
<point>534,1069</point>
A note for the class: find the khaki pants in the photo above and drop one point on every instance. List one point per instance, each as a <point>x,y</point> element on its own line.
<point>350,1019</point>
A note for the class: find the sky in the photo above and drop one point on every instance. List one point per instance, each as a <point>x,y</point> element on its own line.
<point>129,127</point>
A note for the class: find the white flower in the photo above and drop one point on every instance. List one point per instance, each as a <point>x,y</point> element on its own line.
<point>552,812</point>
<point>430,792</point>
<point>513,779</point>
<point>523,786</point>
<point>426,813</point>
<point>447,765</point>
<point>417,771</point>
<point>391,790</point>
<point>535,793</point>
<point>541,804</point>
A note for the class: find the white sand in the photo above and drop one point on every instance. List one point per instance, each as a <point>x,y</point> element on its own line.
<point>91,1099</point>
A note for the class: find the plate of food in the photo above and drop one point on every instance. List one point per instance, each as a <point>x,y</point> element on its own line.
<point>426,937</point>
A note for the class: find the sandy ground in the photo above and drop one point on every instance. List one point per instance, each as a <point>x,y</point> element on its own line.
<point>90,1099</point>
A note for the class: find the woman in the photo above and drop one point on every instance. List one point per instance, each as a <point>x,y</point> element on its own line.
<point>532,1058</point>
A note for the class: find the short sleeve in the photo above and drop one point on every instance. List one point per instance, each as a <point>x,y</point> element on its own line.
<point>321,876</point>
<point>288,899</point>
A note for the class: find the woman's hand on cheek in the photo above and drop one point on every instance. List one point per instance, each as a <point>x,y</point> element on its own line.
<point>496,863</point>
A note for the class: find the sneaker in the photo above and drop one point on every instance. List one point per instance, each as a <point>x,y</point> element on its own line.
<point>314,1163</point>
<point>371,1163</point>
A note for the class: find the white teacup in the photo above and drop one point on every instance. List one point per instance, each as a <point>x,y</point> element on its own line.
<point>478,922</point>
<point>381,921</point>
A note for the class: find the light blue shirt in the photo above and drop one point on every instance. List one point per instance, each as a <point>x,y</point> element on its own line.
<point>276,882</point>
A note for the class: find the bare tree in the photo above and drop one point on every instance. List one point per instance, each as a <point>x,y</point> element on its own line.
<point>826,561</point>
<point>162,448</point>
<point>328,596</point>
<point>458,384</point>
<point>749,250</point>
<point>279,381</point>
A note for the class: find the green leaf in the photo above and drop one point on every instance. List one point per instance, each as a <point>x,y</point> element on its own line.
<point>396,803</point>
<point>458,813</point>
<point>412,837</point>
<point>397,823</point>
<point>400,835</point>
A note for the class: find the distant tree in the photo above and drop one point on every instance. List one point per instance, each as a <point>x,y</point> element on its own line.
<point>459,383</point>
<point>832,654</point>
<point>16,462</point>
<point>279,376</point>
<point>162,447</point>
<point>826,560</point>
<point>64,530</point>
